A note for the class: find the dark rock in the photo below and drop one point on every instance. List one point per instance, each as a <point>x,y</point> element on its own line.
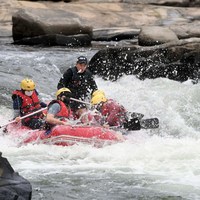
<point>183,3</point>
<point>12,185</point>
<point>57,40</point>
<point>25,26</point>
<point>177,61</point>
<point>35,23</point>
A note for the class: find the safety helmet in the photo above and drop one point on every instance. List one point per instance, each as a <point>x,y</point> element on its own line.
<point>62,90</point>
<point>98,98</point>
<point>96,92</point>
<point>27,84</point>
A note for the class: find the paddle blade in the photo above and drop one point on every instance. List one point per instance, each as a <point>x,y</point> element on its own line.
<point>149,123</point>
<point>136,115</point>
<point>132,124</point>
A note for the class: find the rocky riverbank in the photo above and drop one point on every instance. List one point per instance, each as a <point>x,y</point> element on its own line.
<point>101,20</point>
<point>149,39</point>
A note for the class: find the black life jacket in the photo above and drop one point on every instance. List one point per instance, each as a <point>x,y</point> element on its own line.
<point>80,83</point>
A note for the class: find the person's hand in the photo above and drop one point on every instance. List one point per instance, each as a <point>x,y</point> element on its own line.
<point>106,126</point>
<point>66,123</point>
<point>17,119</point>
<point>120,136</point>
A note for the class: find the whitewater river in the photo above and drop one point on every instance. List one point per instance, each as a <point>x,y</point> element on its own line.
<point>150,164</point>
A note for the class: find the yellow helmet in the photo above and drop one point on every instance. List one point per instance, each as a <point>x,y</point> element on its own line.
<point>62,90</point>
<point>96,92</point>
<point>98,98</point>
<point>27,84</point>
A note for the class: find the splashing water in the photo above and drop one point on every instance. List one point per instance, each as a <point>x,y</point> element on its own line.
<point>150,164</point>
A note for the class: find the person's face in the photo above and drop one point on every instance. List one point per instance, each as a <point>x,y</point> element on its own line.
<point>28,93</point>
<point>81,67</point>
<point>65,99</point>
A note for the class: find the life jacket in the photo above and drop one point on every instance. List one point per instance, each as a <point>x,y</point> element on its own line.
<point>64,112</point>
<point>29,104</point>
<point>80,83</point>
<point>77,76</point>
<point>115,114</point>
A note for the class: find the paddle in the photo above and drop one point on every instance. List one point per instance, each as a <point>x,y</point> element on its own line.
<point>150,123</point>
<point>136,124</point>
<point>25,116</point>
<point>73,99</point>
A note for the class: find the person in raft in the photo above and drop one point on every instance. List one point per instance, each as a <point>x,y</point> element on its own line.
<point>112,113</point>
<point>59,111</point>
<point>26,101</point>
<point>79,80</point>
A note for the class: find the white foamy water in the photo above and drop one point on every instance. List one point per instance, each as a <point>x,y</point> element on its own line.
<point>151,163</point>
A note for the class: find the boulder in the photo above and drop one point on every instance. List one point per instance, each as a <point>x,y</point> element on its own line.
<point>111,21</point>
<point>12,185</point>
<point>174,60</point>
<point>34,23</point>
<point>154,35</point>
<point>187,31</point>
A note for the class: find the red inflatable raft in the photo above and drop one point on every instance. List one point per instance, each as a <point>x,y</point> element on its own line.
<point>65,135</point>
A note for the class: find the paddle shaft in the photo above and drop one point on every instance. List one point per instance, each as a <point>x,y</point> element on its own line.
<point>41,111</point>
<point>145,123</point>
<point>73,99</point>
<point>25,116</point>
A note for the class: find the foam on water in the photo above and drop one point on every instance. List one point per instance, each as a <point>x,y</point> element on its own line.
<point>167,157</point>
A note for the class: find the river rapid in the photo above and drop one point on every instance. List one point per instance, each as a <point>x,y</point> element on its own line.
<point>150,164</point>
